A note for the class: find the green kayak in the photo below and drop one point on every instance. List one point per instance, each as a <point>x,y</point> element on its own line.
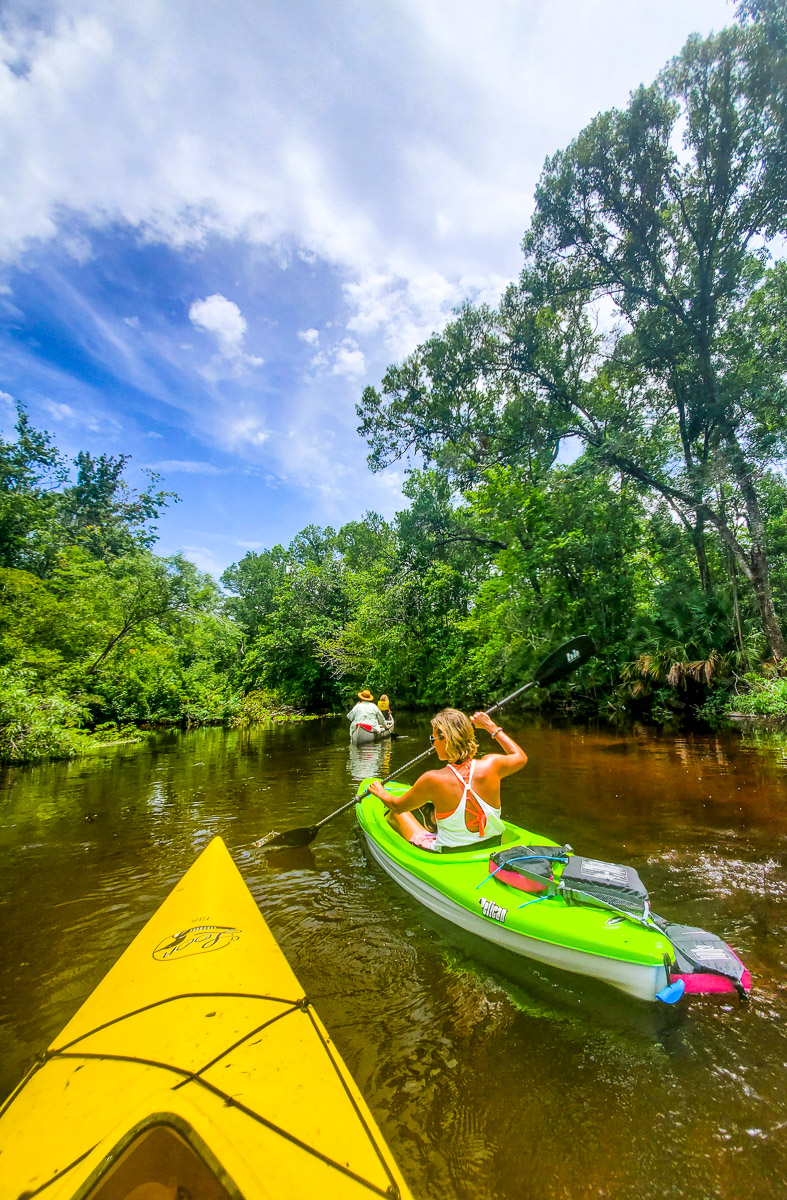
<point>594,922</point>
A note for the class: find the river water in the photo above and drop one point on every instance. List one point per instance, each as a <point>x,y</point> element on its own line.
<point>490,1076</point>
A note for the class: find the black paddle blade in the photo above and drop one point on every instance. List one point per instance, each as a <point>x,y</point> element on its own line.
<point>291,837</point>
<point>564,660</point>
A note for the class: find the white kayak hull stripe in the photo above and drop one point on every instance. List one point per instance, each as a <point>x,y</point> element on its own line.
<point>639,980</point>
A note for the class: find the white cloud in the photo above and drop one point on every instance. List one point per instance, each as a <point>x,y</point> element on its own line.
<point>224,320</point>
<point>349,361</point>
<point>66,414</point>
<point>171,466</point>
<point>310,336</point>
<point>5,398</point>
<point>206,559</point>
<point>78,247</point>
<point>245,431</point>
<point>409,151</point>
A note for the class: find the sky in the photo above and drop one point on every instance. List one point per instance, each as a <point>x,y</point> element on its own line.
<point>219,222</point>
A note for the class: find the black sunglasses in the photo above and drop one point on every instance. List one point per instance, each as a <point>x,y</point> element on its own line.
<point>436,737</point>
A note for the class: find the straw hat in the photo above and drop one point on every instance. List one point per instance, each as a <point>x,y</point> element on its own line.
<point>365,695</point>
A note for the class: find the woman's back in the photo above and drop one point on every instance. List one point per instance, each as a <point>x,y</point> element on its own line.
<point>472,816</point>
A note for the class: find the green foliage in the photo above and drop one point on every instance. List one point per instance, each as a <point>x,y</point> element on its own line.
<point>101,511</point>
<point>254,582</point>
<point>96,630</point>
<point>264,706</point>
<point>30,470</point>
<point>35,724</point>
<point>716,707</point>
<point>766,697</point>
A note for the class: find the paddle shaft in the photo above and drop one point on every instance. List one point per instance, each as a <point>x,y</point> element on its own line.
<point>417,759</point>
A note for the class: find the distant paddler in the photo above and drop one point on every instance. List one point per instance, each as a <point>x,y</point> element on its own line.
<point>384,706</point>
<point>367,722</point>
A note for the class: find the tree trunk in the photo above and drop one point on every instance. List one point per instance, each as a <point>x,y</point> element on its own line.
<point>768,617</point>
<point>753,564</point>
<point>759,574</point>
<point>700,553</point>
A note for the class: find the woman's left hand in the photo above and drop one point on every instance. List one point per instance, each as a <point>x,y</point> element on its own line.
<point>482,721</point>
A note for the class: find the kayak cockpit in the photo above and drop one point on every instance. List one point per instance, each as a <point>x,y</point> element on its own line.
<point>160,1163</point>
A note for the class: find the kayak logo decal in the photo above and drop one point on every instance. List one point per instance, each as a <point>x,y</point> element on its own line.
<point>493,911</point>
<point>199,939</point>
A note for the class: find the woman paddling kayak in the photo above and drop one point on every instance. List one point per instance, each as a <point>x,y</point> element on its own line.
<point>465,793</point>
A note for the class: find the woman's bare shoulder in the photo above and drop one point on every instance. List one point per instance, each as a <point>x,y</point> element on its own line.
<point>488,762</point>
<point>486,759</point>
<point>437,775</point>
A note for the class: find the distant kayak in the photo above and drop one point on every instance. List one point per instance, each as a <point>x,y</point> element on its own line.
<point>538,899</point>
<point>363,733</point>
<point>197,1068</point>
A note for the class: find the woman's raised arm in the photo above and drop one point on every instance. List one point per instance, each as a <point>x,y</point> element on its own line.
<point>513,757</point>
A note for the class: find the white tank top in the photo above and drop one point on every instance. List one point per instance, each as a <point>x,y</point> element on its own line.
<point>484,820</point>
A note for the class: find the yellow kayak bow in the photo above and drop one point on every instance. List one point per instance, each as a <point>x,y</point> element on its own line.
<point>197,1068</point>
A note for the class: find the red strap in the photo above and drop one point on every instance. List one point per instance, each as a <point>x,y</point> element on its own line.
<point>475,817</point>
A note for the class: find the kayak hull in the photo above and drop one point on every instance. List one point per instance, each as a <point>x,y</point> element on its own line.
<point>362,737</point>
<point>549,927</point>
<point>198,1049</point>
<point>639,980</point>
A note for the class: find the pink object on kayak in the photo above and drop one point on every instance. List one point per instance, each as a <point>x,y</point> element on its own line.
<point>699,984</point>
<point>514,879</point>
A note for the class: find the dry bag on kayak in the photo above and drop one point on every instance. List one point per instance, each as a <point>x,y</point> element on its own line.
<point>529,868</point>
<point>701,958</point>
<point>608,885</point>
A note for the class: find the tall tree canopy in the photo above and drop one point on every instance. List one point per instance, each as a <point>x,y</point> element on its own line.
<point>646,321</point>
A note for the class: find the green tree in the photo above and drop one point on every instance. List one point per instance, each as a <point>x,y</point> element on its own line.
<point>662,212</point>
<point>31,470</point>
<point>107,516</point>
<point>290,602</point>
<point>255,581</point>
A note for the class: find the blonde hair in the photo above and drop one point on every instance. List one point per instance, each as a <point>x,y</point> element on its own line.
<point>459,734</point>
<point>383,703</point>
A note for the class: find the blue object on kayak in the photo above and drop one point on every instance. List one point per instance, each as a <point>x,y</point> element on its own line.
<point>672,993</point>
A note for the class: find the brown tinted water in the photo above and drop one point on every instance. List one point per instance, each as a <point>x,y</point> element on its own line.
<point>490,1076</point>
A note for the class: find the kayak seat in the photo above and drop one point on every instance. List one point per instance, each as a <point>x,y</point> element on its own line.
<point>486,844</point>
<point>528,868</point>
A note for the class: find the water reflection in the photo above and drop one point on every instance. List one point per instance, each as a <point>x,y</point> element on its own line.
<point>291,858</point>
<point>373,759</point>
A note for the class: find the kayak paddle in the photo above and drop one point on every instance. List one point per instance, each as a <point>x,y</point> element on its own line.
<point>557,665</point>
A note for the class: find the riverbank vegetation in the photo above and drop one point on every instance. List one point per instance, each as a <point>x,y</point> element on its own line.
<point>602,452</point>
<point>97,634</point>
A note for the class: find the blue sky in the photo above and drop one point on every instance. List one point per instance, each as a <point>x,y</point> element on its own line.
<point>219,222</point>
